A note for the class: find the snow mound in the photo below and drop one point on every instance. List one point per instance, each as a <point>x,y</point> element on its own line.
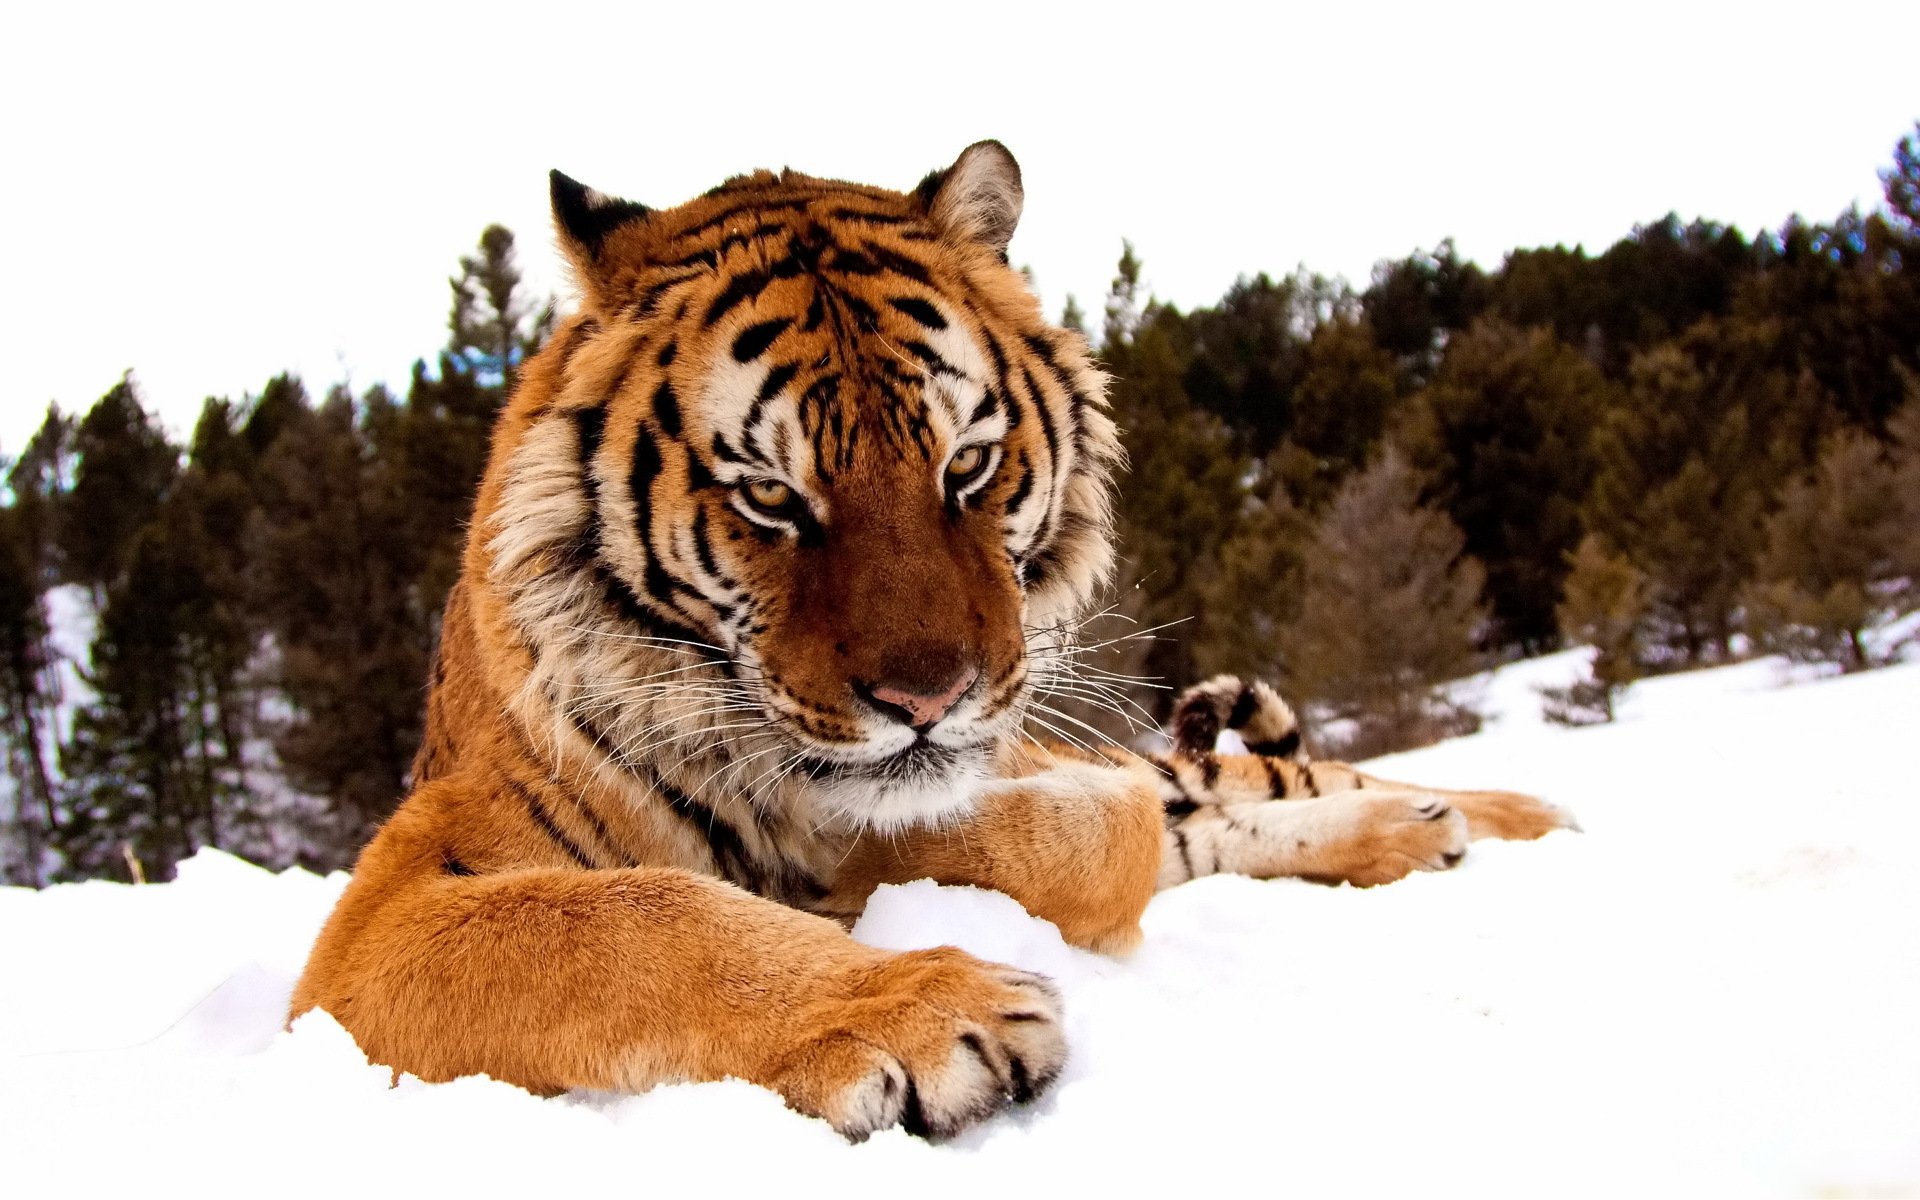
<point>1711,990</point>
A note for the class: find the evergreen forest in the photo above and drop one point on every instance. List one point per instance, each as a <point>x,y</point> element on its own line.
<point>1689,447</point>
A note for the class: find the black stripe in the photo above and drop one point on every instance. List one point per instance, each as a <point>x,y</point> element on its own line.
<point>1183,807</point>
<point>931,357</point>
<point>868,218</point>
<point>818,395</point>
<point>989,405</point>
<point>660,586</point>
<point>852,262</point>
<point>703,550</point>
<point>750,206</point>
<point>666,408</point>
<point>754,339</point>
<point>738,239</point>
<point>590,426</point>
<point>1046,422</point>
<point>699,475</point>
<point>776,379</point>
<point>1044,348</point>
<point>999,357</point>
<point>920,310</point>
<point>1209,770</point>
<point>544,820</point>
<point>724,843</point>
<point>575,338</point>
<point>619,596</point>
<point>649,301</point>
<point>899,263</point>
<point>1196,723</point>
<point>771,386</point>
<point>640,477</point>
<point>1284,746</point>
<point>1186,858</point>
<point>861,310</point>
<point>1276,779</point>
<point>745,286</point>
<point>1242,707</point>
<point>579,801</point>
<point>454,866</point>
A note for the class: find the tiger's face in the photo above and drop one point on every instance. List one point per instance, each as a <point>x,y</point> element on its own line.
<point>824,439</point>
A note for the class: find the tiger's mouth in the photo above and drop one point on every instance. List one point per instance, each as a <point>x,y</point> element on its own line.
<point>922,761</point>
<point>923,784</point>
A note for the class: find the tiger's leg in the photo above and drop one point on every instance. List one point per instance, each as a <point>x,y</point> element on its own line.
<point>1075,839</point>
<point>1359,837</point>
<point>1509,815</point>
<point>1258,815</point>
<point>1512,816</point>
<point>1278,767</point>
<point>556,978</point>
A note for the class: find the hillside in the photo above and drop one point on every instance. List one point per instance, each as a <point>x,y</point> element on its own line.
<point>1712,989</point>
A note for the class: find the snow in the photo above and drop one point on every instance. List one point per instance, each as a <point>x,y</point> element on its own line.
<point>1711,990</point>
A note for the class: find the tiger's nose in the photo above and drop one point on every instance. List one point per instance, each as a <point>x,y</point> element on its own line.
<point>919,709</point>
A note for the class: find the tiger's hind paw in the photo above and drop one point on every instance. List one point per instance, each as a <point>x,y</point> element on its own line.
<point>1404,834</point>
<point>1511,816</point>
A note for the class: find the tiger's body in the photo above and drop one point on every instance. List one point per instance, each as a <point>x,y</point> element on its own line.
<point>778,538</point>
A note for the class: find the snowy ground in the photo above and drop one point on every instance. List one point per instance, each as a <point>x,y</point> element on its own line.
<point>1713,990</point>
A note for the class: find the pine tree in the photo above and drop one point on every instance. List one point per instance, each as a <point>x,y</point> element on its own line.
<point>35,486</point>
<point>494,325</point>
<point>124,465</point>
<point>1842,555</point>
<point>1124,302</point>
<point>1182,495</point>
<point>336,562</point>
<point>150,773</point>
<point>28,817</point>
<point>1390,610</point>
<point>1248,352</point>
<point>1686,459</point>
<point>1415,304</point>
<point>1252,588</point>
<point>1072,316</point>
<point>1505,432</point>
<point>1348,389</point>
<point>1604,605</point>
<point>1901,181</point>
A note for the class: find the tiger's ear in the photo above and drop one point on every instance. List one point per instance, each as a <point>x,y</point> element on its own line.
<point>978,198</point>
<point>584,218</point>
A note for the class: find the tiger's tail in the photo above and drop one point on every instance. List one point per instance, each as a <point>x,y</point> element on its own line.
<point>1253,710</point>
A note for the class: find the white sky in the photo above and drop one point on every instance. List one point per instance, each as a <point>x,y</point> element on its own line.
<point>210,195</point>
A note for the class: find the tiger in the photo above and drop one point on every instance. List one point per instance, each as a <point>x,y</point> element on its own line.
<point>779,537</point>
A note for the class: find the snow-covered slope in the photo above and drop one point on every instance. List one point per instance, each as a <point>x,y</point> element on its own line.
<point>1714,989</point>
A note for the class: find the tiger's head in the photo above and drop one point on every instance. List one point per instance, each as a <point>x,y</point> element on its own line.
<point>808,478</point>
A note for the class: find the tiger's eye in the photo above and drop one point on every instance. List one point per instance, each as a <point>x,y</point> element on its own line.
<point>967,463</point>
<point>769,494</point>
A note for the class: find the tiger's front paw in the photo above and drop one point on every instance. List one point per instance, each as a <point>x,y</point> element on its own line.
<point>1401,834</point>
<point>930,1040</point>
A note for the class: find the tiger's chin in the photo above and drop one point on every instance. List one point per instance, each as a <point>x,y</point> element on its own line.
<point>922,785</point>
